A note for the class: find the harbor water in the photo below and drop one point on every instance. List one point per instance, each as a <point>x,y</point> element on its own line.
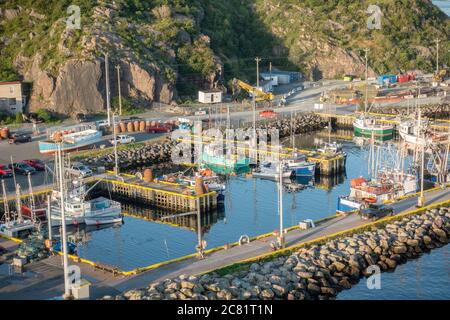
<point>251,209</point>
<point>426,278</point>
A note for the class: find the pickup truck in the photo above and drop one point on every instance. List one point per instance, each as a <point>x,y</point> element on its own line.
<point>123,139</point>
<point>79,170</point>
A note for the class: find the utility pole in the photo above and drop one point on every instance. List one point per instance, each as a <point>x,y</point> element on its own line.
<point>437,55</point>
<point>108,102</point>
<point>367,81</point>
<point>116,157</point>
<point>280,204</point>
<point>120,91</point>
<point>258,60</point>
<point>67,291</point>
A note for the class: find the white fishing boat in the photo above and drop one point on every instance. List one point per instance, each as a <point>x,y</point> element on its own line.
<point>417,132</point>
<point>271,170</point>
<point>299,165</point>
<point>77,211</point>
<point>13,224</point>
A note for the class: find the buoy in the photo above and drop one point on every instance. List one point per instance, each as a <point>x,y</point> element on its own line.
<point>199,187</point>
<point>148,175</point>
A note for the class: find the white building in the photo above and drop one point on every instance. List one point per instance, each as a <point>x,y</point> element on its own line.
<point>12,99</point>
<point>210,96</point>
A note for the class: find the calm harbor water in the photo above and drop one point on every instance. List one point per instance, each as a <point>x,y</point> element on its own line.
<point>426,278</point>
<point>251,208</point>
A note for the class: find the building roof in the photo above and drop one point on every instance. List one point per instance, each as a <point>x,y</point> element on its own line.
<point>9,83</point>
<point>211,91</point>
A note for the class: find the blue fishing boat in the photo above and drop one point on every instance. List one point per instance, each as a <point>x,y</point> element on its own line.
<point>71,141</point>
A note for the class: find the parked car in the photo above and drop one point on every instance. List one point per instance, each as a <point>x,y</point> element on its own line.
<point>376,211</point>
<point>23,168</point>
<point>19,138</point>
<point>79,170</point>
<point>34,118</point>
<point>268,114</point>
<point>123,139</point>
<point>81,117</point>
<point>39,165</point>
<point>5,171</point>
<point>159,128</point>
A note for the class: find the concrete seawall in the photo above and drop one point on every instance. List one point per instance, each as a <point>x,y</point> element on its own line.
<point>316,271</point>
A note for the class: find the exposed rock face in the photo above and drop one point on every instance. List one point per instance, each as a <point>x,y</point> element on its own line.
<point>308,273</point>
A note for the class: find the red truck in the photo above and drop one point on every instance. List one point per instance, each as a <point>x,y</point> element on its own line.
<point>159,128</point>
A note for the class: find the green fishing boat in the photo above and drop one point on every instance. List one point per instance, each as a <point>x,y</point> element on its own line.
<point>222,163</point>
<point>367,127</point>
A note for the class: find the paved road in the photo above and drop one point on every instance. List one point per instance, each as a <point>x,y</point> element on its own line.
<point>44,279</point>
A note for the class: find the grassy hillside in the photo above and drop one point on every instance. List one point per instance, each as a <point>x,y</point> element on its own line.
<point>169,34</point>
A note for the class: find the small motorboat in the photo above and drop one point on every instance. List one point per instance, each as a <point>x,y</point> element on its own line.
<point>271,171</point>
<point>97,221</point>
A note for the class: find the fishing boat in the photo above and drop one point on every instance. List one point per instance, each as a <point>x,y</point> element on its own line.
<point>212,182</point>
<point>13,224</point>
<point>389,180</point>
<point>365,126</point>
<point>215,159</point>
<point>92,212</point>
<point>271,171</point>
<point>300,166</point>
<point>71,141</point>
<point>417,132</point>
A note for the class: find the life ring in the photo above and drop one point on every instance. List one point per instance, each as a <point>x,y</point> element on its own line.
<point>244,239</point>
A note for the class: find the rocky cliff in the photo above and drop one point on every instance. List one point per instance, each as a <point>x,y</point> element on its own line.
<point>167,49</point>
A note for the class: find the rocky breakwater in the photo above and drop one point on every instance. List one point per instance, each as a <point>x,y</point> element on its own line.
<point>314,272</point>
<point>303,123</point>
<point>431,111</point>
<point>145,156</point>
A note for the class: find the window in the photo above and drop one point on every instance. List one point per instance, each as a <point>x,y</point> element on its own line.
<point>11,89</point>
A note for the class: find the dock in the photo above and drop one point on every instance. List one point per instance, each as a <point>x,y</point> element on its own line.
<point>327,164</point>
<point>129,188</point>
<point>346,120</point>
<point>170,196</point>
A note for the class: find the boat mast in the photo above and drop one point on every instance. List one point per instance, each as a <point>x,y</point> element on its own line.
<point>32,206</point>
<point>5,203</point>
<point>67,291</point>
<point>18,204</point>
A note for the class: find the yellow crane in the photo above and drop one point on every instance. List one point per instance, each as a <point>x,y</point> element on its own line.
<point>259,94</point>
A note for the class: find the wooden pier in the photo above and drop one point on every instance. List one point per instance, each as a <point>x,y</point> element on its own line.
<point>346,120</point>
<point>170,196</point>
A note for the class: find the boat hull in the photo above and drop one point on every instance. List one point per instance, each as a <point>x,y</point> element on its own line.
<point>102,221</point>
<point>50,147</point>
<point>377,132</point>
<point>305,171</point>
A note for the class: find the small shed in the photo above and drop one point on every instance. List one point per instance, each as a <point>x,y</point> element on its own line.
<point>210,96</point>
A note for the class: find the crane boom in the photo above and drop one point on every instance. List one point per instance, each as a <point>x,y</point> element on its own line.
<point>259,94</point>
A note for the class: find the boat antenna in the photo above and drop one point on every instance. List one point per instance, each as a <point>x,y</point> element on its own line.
<point>5,202</point>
